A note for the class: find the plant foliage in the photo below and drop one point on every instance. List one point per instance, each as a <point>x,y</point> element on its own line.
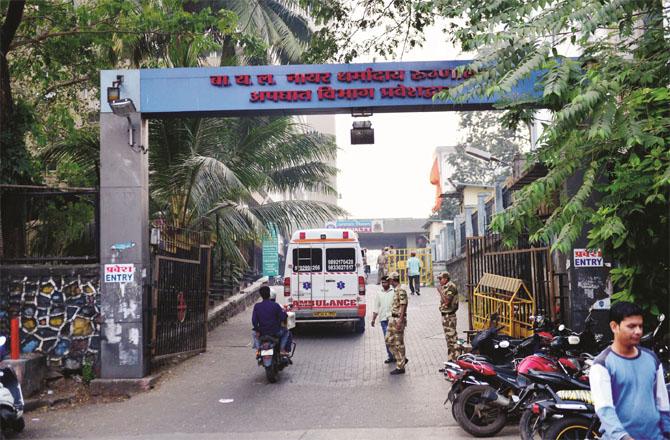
<point>604,76</point>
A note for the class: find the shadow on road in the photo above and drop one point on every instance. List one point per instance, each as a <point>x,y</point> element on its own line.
<point>335,330</point>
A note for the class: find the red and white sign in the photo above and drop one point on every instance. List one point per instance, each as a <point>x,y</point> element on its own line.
<point>181,307</point>
<point>588,257</point>
<point>325,304</point>
<point>119,273</point>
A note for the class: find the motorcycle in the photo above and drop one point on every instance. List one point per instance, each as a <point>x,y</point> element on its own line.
<point>11,399</point>
<point>570,414</point>
<point>567,415</point>
<point>501,349</point>
<point>484,395</point>
<point>270,357</point>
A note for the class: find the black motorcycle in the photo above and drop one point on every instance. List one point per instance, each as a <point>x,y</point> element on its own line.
<point>567,415</point>
<point>269,356</point>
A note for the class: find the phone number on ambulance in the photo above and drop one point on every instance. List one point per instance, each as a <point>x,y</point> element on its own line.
<point>314,268</point>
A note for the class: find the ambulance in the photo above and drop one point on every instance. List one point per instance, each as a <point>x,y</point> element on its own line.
<point>324,277</point>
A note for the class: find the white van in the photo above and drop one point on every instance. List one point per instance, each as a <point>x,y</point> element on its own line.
<point>324,278</point>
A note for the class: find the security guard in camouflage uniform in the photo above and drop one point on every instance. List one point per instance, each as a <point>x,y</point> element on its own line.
<point>448,307</point>
<point>395,334</point>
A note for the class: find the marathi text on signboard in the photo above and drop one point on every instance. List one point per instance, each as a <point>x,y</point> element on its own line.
<point>588,257</point>
<point>119,273</point>
<point>327,93</point>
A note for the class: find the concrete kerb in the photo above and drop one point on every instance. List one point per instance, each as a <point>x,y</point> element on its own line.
<point>30,369</point>
<point>234,305</point>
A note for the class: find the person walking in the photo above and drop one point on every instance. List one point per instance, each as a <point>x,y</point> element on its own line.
<point>627,384</point>
<point>382,262</point>
<point>414,273</point>
<point>395,336</point>
<point>448,308</point>
<point>382,310</point>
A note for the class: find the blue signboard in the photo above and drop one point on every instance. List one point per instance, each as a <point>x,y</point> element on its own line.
<point>271,254</point>
<point>295,89</point>
<point>357,225</point>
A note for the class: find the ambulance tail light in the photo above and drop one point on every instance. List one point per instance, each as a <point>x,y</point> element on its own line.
<point>287,286</point>
<point>303,235</point>
<point>345,234</point>
<point>361,285</point>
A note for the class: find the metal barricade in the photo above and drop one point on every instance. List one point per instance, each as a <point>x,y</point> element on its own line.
<point>509,298</point>
<point>397,262</point>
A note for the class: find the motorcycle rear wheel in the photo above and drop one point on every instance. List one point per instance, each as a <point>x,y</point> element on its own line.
<point>569,428</point>
<point>528,420</point>
<point>476,416</point>
<point>271,373</point>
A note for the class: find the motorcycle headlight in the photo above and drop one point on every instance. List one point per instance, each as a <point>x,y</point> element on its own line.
<point>573,339</point>
<point>504,344</point>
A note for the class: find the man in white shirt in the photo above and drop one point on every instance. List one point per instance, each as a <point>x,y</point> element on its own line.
<point>382,310</point>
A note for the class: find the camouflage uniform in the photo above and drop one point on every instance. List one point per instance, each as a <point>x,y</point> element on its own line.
<point>382,264</point>
<point>449,294</point>
<point>395,339</point>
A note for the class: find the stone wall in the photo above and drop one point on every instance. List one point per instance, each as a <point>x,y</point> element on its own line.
<point>458,270</point>
<point>59,311</point>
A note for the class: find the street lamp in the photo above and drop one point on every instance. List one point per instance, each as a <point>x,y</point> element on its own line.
<point>123,107</point>
<point>483,155</point>
<point>362,133</point>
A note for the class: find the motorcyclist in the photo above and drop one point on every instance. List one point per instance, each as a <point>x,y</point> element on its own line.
<point>266,320</point>
<point>284,328</point>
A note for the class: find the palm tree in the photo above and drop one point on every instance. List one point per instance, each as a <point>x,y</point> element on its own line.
<point>219,172</point>
<point>281,25</point>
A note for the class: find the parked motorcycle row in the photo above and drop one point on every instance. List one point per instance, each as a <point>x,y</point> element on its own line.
<point>541,381</point>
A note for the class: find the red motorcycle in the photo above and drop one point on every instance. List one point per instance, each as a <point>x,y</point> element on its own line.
<point>484,395</point>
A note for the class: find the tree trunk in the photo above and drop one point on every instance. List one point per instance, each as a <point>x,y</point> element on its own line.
<point>11,218</point>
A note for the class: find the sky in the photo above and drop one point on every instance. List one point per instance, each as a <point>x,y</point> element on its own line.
<point>390,179</point>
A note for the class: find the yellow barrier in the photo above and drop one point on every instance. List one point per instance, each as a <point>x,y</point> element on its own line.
<point>509,298</point>
<point>397,262</point>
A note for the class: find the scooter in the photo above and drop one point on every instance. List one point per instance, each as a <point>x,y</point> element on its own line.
<point>269,356</point>
<point>11,399</point>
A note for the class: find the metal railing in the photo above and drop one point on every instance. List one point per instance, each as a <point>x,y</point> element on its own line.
<point>53,225</point>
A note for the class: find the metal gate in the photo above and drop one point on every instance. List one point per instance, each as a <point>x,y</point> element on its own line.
<point>397,262</point>
<point>179,302</point>
<point>486,254</point>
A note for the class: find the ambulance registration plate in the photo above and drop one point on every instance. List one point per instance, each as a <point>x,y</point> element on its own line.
<point>324,314</point>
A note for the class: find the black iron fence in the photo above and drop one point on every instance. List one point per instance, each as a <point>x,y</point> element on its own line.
<point>49,225</point>
<point>179,299</point>
<point>533,265</point>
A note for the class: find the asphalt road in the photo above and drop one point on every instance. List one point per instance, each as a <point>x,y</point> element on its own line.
<point>337,388</point>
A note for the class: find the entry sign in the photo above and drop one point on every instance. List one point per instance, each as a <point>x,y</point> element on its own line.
<point>119,273</point>
<point>271,254</point>
<point>588,257</point>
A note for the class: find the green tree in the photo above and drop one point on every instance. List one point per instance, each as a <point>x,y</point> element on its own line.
<point>484,132</point>
<point>219,172</point>
<point>610,109</point>
<point>50,56</point>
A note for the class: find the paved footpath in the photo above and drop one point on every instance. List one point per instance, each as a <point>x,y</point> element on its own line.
<point>338,388</point>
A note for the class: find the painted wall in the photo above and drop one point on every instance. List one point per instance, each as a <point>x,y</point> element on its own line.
<point>59,310</point>
<point>471,193</point>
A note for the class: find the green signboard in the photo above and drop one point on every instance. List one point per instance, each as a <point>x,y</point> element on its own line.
<point>271,254</point>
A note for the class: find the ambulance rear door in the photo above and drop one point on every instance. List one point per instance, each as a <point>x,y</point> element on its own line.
<point>341,277</point>
<point>307,275</point>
